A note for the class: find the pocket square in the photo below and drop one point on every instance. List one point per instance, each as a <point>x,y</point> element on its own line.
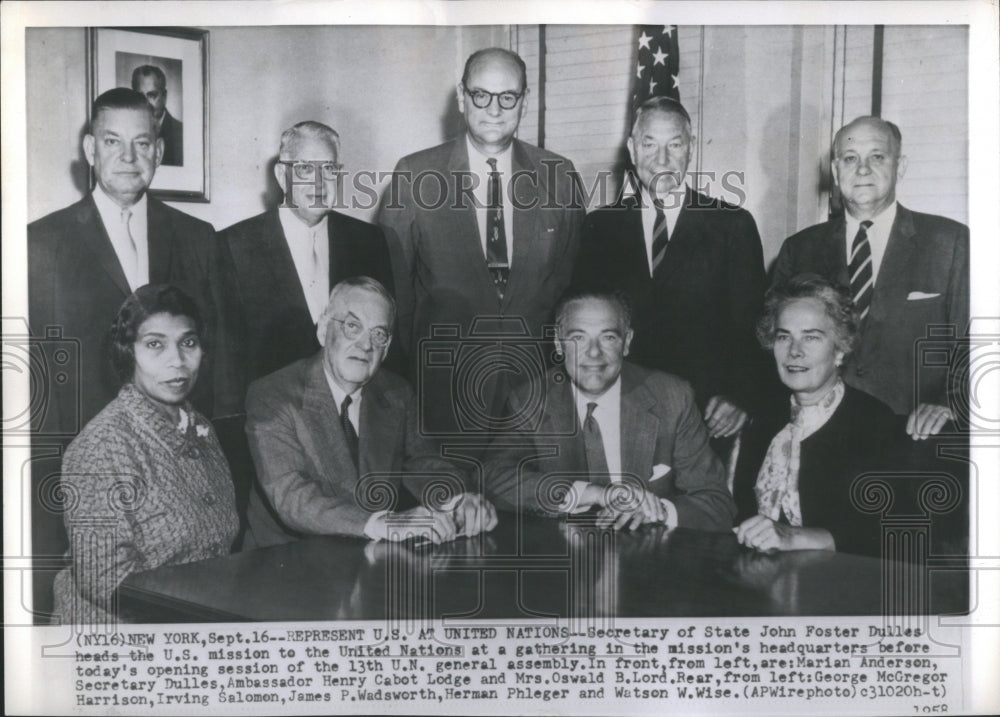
<point>918,295</point>
<point>659,470</point>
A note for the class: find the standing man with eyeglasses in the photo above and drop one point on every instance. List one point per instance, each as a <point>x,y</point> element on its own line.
<point>482,226</point>
<point>333,435</point>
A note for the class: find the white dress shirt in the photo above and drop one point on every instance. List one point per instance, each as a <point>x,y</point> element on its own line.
<point>314,274</point>
<point>481,169</point>
<point>608,414</point>
<point>672,205</point>
<point>878,236</point>
<point>136,273</point>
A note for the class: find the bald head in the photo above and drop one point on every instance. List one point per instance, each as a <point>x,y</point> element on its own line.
<point>492,55</point>
<point>867,164</point>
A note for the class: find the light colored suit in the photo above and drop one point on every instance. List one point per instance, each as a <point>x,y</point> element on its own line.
<point>923,282</point>
<point>660,427</point>
<point>306,480</point>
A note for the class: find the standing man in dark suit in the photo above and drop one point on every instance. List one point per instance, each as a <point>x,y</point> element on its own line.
<point>483,226</point>
<point>327,430</point>
<point>906,272</point>
<point>285,260</point>
<point>85,260</point>
<point>693,266</point>
<point>605,422</point>
<point>152,83</point>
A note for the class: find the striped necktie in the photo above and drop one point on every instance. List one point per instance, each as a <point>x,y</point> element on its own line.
<point>660,237</point>
<point>860,267</point>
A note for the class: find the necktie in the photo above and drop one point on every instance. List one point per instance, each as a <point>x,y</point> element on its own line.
<point>862,283</point>
<point>317,290</point>
<point>130,252</point>
<point>660,237</point>
<point>496,237</point>
<point>349,433</point>
<point>597,463</point>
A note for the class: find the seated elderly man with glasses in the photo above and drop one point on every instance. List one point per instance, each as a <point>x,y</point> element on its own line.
<point>333,438</point>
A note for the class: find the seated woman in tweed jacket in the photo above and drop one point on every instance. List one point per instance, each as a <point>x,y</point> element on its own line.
<point>145,483</point>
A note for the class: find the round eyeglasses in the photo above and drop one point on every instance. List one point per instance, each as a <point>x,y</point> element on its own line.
<point>482,99</point>
<point>353,329</point>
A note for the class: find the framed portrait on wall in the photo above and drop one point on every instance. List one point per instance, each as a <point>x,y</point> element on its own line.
<point>170,67</point>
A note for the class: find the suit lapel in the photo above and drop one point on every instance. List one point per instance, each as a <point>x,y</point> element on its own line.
<point>890,287</point>
<point>381,426</point>
<point>461,223</point>
<point>272,249</point>
<point>834,257</point>
<point>560,413</point>
<point>322,418</point>
<point>95,237</point>
<point>159,238</point>
<point>639,428</point>
<point>527,251</point>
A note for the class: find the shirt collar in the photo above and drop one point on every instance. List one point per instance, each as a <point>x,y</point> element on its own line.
<point>297,230</point>
<point>477,160</point>
<point>608,403</point>
<point>109,209</point>
<point>340,394</point>
<point>881,222</point>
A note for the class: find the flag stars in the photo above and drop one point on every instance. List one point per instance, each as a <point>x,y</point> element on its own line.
<point>668,30</point>
<point>639,70</point>
<point>644,40</point>
<point>652,84</point>
<point>659,57</point>
<point>674,78</point>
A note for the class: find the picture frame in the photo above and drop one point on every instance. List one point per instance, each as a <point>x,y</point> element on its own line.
<point>176,58</point>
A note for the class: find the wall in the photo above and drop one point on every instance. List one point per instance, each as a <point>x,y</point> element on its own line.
<point>384,103</point>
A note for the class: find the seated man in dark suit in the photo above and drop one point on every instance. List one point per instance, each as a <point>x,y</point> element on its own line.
<point>333,437</point>
<point>605,421</point>
<point>86,259</point>
<point>693,266</point>
<point>907,272</point>
<point>152,83</point>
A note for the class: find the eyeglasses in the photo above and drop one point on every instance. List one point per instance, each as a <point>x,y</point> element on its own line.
<point>482,99</point>
<point>353,329</point>
<point>307,170</point>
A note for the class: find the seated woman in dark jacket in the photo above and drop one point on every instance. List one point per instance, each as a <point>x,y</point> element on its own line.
<point>145,483</point>
<point>799,496</point>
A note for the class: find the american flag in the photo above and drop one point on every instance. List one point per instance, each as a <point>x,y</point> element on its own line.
<point>656,64</point>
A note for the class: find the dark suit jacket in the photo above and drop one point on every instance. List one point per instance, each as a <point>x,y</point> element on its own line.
<point>172,132</point>
<point>925,253</point>
<point>307,481</point>
<point>863,435</point>
<point>441,274</point>
<point>76,284</point>
<point>660,425</point>
<point>695,318</point>
<point>273,326</point>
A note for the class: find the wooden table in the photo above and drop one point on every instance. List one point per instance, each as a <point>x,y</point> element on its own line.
<point>533,568</point>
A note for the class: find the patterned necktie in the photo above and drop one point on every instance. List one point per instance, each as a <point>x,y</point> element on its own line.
<point>349,433</point>
<point>496,237</point>
<point>130,252</point>
<point>862,284</point>
<point>660,237</point>
<point>597,463</point>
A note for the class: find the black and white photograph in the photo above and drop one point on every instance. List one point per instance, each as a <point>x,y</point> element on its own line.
<point>169,66</point>
<point>497,359</point>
